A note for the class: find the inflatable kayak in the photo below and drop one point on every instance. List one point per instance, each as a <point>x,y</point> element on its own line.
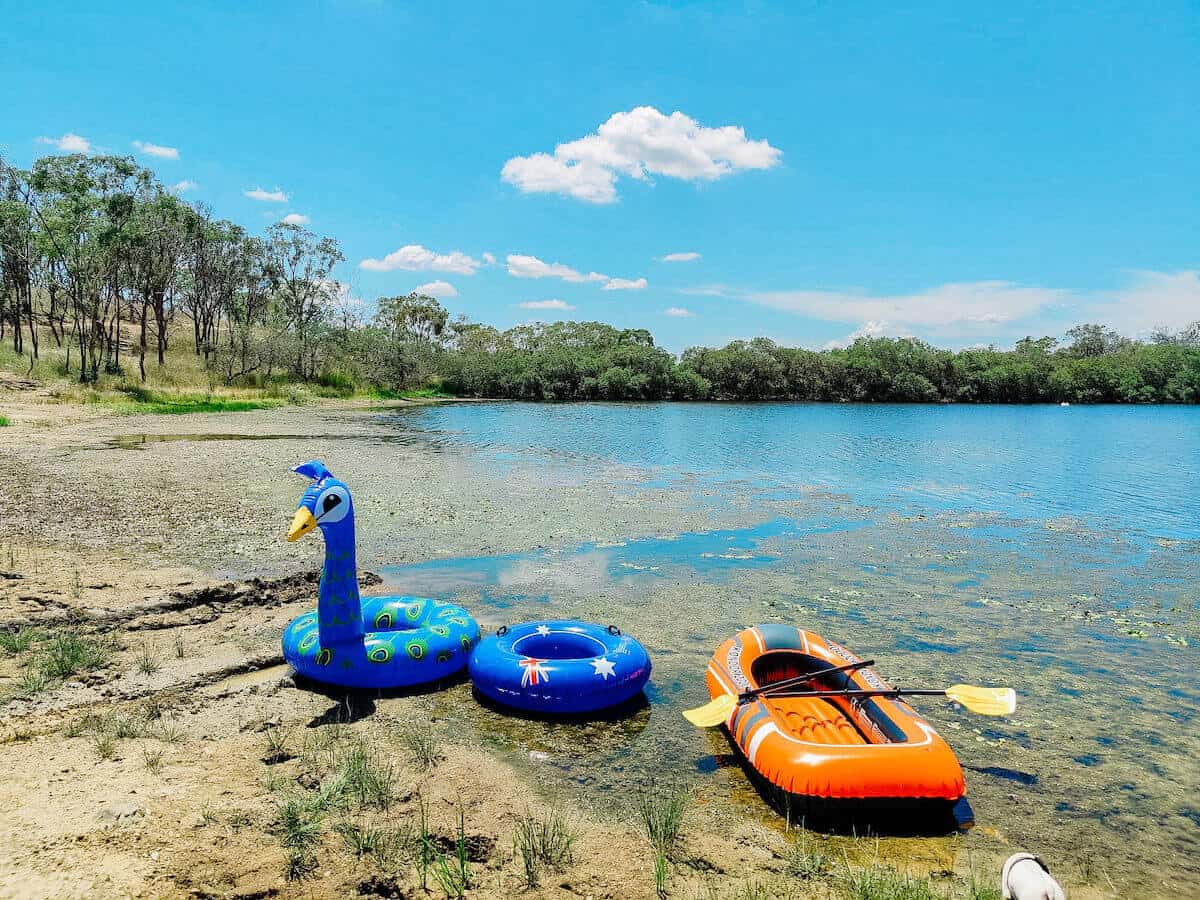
<point>830,748</point>
<point>559,668</point>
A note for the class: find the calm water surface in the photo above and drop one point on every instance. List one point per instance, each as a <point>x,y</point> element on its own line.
<point>1053,549</point>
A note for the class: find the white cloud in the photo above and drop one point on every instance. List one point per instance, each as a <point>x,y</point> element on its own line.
<point>546,304</point>
<point>157,150</point>
<point>970,313</point>
<point>295,219</point>
<point>1151,300</point>
<point>439,289</point>
<point>275,196</point>
<point>624,284</point>
<point>489,259</point>
<point>180,186</point>
<point>68,143</point>
<point>416,258</point>
<point>639,143</point>
<point>678,312</point>
<point>520,266</point>
<point>868,330</point>
<point>950,309</point>
<point>680,257</point>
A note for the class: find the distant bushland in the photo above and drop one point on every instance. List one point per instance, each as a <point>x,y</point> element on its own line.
<point>109,280</point>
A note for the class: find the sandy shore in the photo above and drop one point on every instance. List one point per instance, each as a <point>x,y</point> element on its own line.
<point>164,772</point>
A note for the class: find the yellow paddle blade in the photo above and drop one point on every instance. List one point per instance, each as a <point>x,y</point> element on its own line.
<point>712,713</point>
<point>985,701</point>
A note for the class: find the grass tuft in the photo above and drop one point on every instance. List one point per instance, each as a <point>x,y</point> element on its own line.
<point>18,641</point>
<point>168,733</point>
<point>69,653</point>
<point>277,747</point>
<point>31,683</point>
<point>424,750</point>
<point>4,423</point>
<point>453,875</point>
<point>364,777</point>
<point>105,745</point>
<point>885,883</point>
<point>662,811</point>
<point>147,662</point>
<point>548,844</point>
<point>808,860</point>
<point>153,759</point>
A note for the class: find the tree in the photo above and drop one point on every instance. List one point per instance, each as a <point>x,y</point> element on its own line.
<point>159,233</point>
<point>83,206</point>
<point>303,264</point>
<point>1095,340</point>
<point>18,259</point>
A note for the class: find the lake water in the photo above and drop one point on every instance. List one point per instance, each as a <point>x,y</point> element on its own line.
<point>1053,549</point>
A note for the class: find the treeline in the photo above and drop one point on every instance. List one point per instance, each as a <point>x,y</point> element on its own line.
<point>591,361</point>
<point>98,257</point>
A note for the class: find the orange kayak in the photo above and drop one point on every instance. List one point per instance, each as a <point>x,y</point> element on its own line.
<point>828,747</point>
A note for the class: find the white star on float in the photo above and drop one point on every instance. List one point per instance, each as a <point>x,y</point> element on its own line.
<point>543,630</point>
<point>603,667</point>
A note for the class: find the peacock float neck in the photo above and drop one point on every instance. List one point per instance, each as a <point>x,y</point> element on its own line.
<point>339,609</point>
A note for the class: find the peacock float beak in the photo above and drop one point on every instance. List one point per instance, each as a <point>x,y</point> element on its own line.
<point>302,523</point>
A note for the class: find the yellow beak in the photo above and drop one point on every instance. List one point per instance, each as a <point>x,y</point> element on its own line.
<point>302,523</point>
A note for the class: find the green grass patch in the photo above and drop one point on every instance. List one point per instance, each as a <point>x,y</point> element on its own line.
<point>428,392</point>
<point>4,421</point>
<point>17,641</point>
<point>885,883</point>
<point>138,399</point>
<point>68,653</point>
<point>662,811</point>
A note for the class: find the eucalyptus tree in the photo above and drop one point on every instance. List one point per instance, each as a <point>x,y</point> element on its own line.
<point>18,258</point>
<point>303,264</point>
<point>158,239</point>
<point>210,276</point>
<point>413,326</point>
<point>83,206</point>
<point>245,304</point>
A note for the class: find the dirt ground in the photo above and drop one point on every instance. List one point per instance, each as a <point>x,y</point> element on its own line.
<point>167,769</point>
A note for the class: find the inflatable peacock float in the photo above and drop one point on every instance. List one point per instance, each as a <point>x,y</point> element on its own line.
<point>412,640</point>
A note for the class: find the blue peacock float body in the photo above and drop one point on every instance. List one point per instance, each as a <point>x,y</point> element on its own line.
<point>412,640</point>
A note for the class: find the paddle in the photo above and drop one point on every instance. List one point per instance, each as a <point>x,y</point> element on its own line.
<point>718,709</point>
<point>982,700</point>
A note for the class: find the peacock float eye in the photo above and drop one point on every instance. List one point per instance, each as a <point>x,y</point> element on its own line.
<point>333,505</point>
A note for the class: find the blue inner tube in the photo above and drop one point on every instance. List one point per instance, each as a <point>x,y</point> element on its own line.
<point>559,667</point>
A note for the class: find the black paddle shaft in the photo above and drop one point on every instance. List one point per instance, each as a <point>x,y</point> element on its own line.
<point>889,692</point>
<point>802,679</point>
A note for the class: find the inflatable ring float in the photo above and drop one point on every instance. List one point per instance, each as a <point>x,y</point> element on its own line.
<point>559,668</point>
<point>379,642</point>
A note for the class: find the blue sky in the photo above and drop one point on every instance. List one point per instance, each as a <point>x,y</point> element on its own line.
<point>965,173</point>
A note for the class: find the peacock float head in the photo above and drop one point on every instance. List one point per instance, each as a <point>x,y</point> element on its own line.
<point>326,504</point>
